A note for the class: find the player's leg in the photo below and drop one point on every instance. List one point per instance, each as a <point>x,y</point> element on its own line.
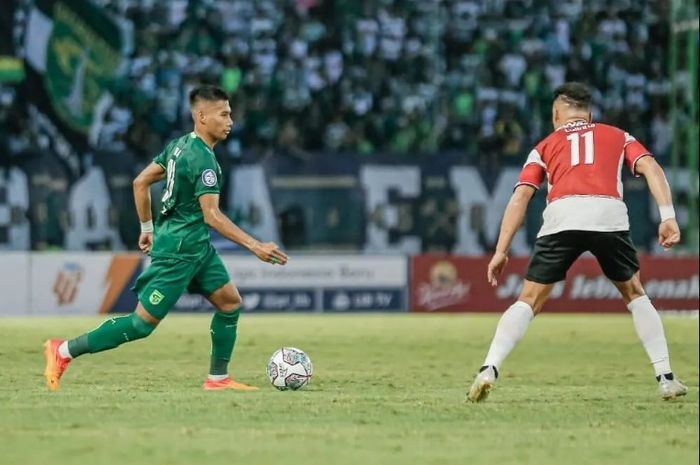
<point>213,281</point>
<point>515,320</point>
<point>112,333</point>
<point>108,335</point>
<point>511,328</point>
<point>618,260</point>
<point>551,259</point>
<point>158,287</point>
<point>224,331</point>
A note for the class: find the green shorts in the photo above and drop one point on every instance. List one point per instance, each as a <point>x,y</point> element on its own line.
<point>166,279</point>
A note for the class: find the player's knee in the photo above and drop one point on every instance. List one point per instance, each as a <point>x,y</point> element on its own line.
<point>630,289</point>
<point>226,299</point>
<point>535,304</point>
<point>229,308</point>
<point>531,298</point>
<point>633,294</point>
<point>536,307</point>
<point>231,303</point>
<point>535,295</point>
<point>141,327</point>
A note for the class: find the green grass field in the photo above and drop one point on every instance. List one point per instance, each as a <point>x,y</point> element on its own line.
<point>386,390</point>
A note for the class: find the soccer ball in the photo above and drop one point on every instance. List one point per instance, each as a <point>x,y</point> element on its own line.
<point>289,368</point>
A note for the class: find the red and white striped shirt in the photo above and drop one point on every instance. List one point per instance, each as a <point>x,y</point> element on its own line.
<point>583,165</point>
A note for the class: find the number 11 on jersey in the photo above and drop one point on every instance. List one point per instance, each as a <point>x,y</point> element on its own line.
<point>574,139</point>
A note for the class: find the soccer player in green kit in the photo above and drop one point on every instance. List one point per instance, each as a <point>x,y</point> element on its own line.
<point>180,248</point>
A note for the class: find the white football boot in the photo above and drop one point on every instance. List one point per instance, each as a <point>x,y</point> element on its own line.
<point>671,388</point>
<point>483,383</point>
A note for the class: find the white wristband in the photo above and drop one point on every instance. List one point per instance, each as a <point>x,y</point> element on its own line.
<point>666,212</point>
<point>147,227</point>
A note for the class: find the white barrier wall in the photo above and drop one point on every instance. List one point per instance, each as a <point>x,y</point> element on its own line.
<point>69,284</point>
<point>14,283</point>
<point>318,283</point>
<point>89,283</point>
<point>319,271</point>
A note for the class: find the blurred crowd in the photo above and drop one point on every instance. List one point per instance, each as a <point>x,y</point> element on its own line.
<point>402,76</point>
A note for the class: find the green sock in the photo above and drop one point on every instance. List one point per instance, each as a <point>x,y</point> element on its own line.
<point>223,329</point>
<point>110,334</point>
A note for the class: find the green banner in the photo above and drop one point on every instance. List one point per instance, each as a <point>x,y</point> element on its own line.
<point>83,55</point>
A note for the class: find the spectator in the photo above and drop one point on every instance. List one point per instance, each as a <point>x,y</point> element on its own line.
<point>397,75</point>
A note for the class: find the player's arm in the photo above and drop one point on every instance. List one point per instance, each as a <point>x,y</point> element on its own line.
<point>214,218</point>
<point>669,233</point>
<point>513,218</point>
<point>142,190</point>
<point>531,177</point>
<point>142,198</point>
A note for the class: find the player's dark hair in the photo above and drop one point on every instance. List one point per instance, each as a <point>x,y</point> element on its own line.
<point>576,94</point>
<point>207,92</point>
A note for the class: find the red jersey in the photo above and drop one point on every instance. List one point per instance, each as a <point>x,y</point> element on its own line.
<point>583,164</point>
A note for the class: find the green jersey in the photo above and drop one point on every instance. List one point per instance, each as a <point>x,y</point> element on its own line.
<point>191,170</point>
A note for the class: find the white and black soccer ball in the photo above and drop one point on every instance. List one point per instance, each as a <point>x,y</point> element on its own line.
<point>289,368</point>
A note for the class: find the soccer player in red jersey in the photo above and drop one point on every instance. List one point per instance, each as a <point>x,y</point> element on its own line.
<point>582,162</point>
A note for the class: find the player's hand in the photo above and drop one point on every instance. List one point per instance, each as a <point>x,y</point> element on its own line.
<point>145,242</point>
<point>669,233</point>
<point>269,252</point>
<point>496,266</point>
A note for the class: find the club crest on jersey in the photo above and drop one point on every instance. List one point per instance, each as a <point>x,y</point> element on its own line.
<point>209,178</point>
<point>156,297</point>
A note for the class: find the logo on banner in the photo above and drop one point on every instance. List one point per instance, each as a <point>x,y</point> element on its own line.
<point>359,299</point>
<point>65,287</point>
<point>278,300</point>
<point>444,289</point>
<point>341,301</point>
<point>252,301</point>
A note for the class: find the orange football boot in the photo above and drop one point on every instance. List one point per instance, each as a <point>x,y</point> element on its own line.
<point>55,364</point>
<point>226,383</point>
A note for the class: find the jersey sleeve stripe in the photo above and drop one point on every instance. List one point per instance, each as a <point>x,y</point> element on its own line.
<point>634,163</point>
<point>534,157</point>
<point>525,183</point>
<point>198,194</point>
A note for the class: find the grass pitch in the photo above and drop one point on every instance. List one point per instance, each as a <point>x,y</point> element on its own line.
<point>386,390</point>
